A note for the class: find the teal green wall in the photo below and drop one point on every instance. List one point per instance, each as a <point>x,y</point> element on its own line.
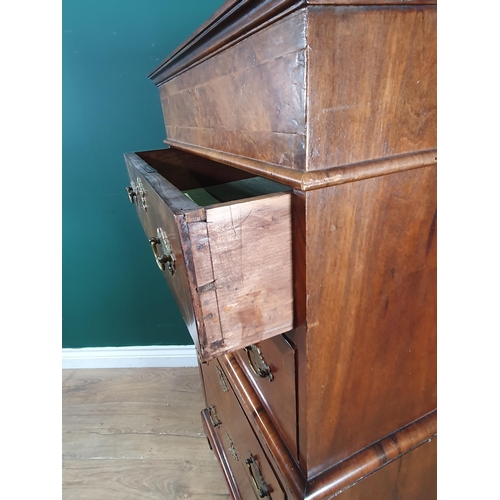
<point>113,293</point>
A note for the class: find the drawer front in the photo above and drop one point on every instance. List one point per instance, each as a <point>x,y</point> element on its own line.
<point>228,263</point>
<point>242,453</point>
<point>270,367</point>
<point>162,235</point>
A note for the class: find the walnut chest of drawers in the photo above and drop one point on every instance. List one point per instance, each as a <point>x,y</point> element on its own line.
<point>294,218</point>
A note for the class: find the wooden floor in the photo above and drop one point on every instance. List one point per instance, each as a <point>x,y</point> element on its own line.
<point>136,434</point>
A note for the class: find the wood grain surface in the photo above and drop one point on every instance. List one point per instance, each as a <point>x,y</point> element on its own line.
<point>136,434</point>
<point>248,100</point>
<point>371,83</point>
<point>336,99</point>
<point>290,95</point>
<point>371,332</point>
<point>251,253</point>
<point>228,286</point>
<point>234,21</point>
<point>332,481</point>
<point>237,19</point>
<point>397,481</point>
<point>278,395</point>
<point>235,435</point>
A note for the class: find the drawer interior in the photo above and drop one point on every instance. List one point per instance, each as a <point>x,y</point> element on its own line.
<point>207,182</point>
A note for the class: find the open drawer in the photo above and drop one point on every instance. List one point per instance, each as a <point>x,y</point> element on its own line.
<point>222,238</point>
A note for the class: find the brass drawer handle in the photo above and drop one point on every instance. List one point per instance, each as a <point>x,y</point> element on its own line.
<point>161,260</point>
<point>258,482</point>
<point>131,194</point>
<point>212,414</point>
<point>167,258</point>
<point>257,362</point>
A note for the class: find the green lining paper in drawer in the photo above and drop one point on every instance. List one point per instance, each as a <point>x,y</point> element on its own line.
<point>201,197</point>
<point>237,190</point>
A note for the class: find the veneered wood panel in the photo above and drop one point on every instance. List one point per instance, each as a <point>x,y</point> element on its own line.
<point>253,143</point>
<point>371,330</point>
<point>260,98</point>
<point>274,42</point>
<point>371,79</point>
<point>256,88</point>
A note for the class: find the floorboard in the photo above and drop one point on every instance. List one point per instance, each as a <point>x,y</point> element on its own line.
<point>136,434</point>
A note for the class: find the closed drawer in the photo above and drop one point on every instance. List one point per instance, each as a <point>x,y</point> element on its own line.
<point>270,367</point>
<point>222,238</point>
<point>247,469</point>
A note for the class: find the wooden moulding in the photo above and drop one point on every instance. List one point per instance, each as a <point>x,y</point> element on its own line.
<point>411,477</point>
<point>372,458</point>
<point>342,475</point>
<point>371,2</point>
<point>317,179</point>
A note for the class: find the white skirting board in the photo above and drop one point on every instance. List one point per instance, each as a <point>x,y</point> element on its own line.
<point>130,357</point>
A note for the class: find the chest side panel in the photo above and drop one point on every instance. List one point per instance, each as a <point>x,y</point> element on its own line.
<point>371,83</point>
<point>371,311</point>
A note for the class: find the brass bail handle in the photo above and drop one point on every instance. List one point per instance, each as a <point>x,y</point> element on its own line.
<point>131,194</point>
<point>163,259</point>
<point>258,482</point>
<point>258,363</point>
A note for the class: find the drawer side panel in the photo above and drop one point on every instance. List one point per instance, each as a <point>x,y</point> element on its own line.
<point>251,250</point>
